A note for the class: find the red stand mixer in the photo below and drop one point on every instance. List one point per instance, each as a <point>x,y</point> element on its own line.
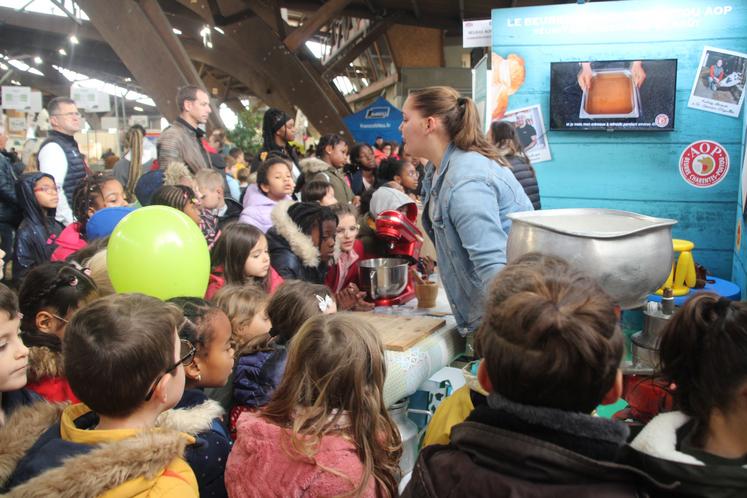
<point>388,279</point>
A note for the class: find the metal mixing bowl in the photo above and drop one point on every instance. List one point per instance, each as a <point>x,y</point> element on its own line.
<point>383,277</point>
<point>629,254</point>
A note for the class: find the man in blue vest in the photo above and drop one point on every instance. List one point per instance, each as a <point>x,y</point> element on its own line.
<point>60,156</point>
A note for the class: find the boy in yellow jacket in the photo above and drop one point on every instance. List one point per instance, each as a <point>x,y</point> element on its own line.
<point>124,361</point>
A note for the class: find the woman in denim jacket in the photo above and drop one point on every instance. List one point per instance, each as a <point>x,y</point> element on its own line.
<point>467,195</point>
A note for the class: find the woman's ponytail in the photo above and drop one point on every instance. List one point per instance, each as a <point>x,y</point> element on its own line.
<point>460,116</point>
<point>135,143</point>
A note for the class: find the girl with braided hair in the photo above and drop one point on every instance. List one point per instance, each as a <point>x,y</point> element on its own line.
<point>187,201</point>
<point>49,296</point>
<point>93,193</point>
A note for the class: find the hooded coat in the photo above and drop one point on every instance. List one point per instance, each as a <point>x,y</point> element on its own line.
<point>46,375</point>
<point>70,241</point>
<point>656,451</point>
<point>316,169</point>
<point>231,214</point>
<point>37,234</point>
<point>257,208</point>
<point>53,450</point>
<point>292,253</point>
<point>260,466</point>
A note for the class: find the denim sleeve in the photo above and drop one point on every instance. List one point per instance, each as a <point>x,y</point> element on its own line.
<point>475,214</point>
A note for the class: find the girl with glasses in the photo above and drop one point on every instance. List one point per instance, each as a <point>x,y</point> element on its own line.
<point>48,297</point>
<point>343,276</point>
<point>36,238</point>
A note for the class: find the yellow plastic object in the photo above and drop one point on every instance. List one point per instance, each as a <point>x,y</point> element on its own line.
<point>682,277</point>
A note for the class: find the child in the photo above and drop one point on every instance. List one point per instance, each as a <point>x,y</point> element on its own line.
<point>362,169</point>
<point>703,445</point>
<point>551,355</point>
<point>36,236</point>
<point>240,257</point>
<point>246,308</point>
<point>326,432</point>
<point>302,240</point>
<point>230,178</point>
<point>262,363</point>
<point>274,184</point>
<point>93,194</point>
<point>208,329</point>
<point>343,276</point>
<point>401,172</point>
<point>243,176</point>
<point>185,200</point>
<point>210,182</point>
<point>331,158</point>
<point>125,363</point>
<point>320,191</point>
<point>49,296</point>
<point>516,277</point>
<point>14,357</point>
<point>383,199</point>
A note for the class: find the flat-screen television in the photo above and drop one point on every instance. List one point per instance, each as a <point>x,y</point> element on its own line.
<point>622,95</point>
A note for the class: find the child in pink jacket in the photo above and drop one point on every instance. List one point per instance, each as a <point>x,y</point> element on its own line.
<point>326,431</point>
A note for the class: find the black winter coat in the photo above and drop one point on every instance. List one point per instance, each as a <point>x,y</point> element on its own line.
<point>288,264</point>
<point>232,213</point>
<point>10,211</point>
<point>526,176</point>
<point>35,238</point>
<point>522,451</point>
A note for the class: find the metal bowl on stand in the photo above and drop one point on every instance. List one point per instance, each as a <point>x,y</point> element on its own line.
<point>629,254</point>
<point>383,277</point>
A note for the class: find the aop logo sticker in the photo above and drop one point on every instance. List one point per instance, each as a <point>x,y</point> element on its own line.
<point>704,163</point>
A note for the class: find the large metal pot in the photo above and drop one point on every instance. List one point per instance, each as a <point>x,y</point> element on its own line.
<point>383,277</point>
<point>629,254</point>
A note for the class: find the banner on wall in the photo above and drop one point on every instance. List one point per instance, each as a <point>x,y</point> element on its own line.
<point>703,164</point>
<point>530,128</point>
<point>477,34</point>
<point>16,97</point>
<point>719,82</point>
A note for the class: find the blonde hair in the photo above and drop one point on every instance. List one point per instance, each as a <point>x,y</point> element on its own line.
<point>208,179</point>
<point>240,303</point>
<point>134,139</point>
<point>175,173</point>
<point>333,383</point>
<point>460,117</point>
<point>100,274</point>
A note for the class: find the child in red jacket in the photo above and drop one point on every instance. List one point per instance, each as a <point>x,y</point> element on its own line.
<point>50,294</point>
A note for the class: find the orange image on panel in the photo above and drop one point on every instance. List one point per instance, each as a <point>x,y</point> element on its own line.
<point>508,76</point>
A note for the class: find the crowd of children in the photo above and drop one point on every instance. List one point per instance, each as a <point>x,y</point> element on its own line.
<point>266,387</point>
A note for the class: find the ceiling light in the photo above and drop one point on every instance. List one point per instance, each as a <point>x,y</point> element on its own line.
<point>3,66</point>
<point>216,28</point>
<point>176,31</point>
<point>205,31</point>
<point>62,51</point>
<point>138,108</point>
<point>38,60</point>
<point>15,82</point>
<point>209,44</point>
<point>74,39</point>
<point>128,79</point>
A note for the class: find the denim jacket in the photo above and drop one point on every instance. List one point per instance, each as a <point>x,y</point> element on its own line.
<point>471,196</point>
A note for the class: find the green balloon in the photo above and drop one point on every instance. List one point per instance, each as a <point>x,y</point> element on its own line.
<point>158,251</point>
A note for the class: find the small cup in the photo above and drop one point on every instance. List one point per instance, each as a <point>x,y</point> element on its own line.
<point>426,294</point>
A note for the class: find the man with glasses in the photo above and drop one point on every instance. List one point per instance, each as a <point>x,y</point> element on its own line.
<point>59,154</point>
<point>182,141</point>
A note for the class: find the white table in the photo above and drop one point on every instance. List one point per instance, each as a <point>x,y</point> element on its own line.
<point>407,370</point>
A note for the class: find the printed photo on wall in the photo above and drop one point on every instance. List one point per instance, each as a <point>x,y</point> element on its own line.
<point>719,82</point>
<point>530,128</point>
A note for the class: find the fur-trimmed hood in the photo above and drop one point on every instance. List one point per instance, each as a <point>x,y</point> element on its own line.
<point>44,363</point>
<point>141,458</point>
<point>300,244</point>
<point>313,165</point>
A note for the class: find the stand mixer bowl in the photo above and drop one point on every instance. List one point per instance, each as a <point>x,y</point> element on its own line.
<point>383,277</point>
<point>629,254</point>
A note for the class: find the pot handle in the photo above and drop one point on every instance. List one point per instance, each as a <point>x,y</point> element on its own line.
<point>371,278</point>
